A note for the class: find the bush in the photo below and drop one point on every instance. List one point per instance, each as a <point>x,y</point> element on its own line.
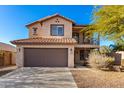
<point>105,50</point>
<point>100,61</point>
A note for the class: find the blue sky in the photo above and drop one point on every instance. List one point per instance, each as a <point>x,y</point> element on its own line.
<point>14,18</point>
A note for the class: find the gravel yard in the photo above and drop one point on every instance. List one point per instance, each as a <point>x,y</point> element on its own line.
<point>90,78</point>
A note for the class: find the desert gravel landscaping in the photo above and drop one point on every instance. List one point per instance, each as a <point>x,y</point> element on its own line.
<point>92,78</point>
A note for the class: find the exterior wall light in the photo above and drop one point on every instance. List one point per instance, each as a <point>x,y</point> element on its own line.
<point>71,51</point>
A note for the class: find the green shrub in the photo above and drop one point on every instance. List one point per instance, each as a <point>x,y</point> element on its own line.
<point>100,61</point>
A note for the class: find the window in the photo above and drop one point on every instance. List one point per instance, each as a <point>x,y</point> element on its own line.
<point>34,31</point>
<point>57,30</point>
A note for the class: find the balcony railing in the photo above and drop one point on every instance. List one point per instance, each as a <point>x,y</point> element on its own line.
<point>91,41</point>
<point>94,41</point>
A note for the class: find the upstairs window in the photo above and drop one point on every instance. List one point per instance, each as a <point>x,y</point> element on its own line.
<point>34,31</point>
<point>57,30</point>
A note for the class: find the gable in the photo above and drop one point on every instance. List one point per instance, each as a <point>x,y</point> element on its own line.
<point>46,26</point>
<point>54,16</point>
<point>56,20</point>
<point>51,17</point>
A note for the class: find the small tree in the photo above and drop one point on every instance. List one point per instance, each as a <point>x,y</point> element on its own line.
<point>108,21</point>
<point>105,50</point>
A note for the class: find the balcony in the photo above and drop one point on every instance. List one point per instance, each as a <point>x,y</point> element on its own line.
<point>87,43</point>
<point>91,41</point>
<point>84,41</point>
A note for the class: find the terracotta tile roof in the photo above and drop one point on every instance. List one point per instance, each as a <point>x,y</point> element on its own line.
<point>49,17</point>
<point>44,41</point>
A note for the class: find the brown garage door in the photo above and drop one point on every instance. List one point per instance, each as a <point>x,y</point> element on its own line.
<point>45,57</point>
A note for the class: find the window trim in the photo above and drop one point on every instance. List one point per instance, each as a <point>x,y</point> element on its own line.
<point>56,25</point>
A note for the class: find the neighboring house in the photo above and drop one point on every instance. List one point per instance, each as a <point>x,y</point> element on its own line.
<point>7,54</point>
<point>122,54</point>
<point>54,41</point>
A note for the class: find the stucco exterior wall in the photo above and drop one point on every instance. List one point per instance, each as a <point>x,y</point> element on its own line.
<point>44,27</point>
<point>7,58</point>
<point>39,30</point>
<point>20,54</point>
<point>122,54</point>
<point>13,58</point>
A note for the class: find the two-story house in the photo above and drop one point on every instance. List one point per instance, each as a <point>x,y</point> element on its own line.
<point>54,41</point>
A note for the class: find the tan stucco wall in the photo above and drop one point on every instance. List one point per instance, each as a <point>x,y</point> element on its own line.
<point>7,58</point>
<point>122,54</point>
<point>20,55</point>
<point>13,58</point>
<point>39,30</point>
<point>44,30</point>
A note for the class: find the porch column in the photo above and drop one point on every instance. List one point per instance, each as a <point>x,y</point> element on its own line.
<point>19,56</point>
<point>71,56</point>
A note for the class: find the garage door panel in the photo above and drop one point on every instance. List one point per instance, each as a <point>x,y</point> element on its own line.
<point>35,57</point>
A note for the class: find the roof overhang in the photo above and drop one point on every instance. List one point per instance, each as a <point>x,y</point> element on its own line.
<point>78,27</point>
<point>86,46</point>
<point>45,41</point>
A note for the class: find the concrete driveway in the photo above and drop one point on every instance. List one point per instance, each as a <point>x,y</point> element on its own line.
<point>38,77</point>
